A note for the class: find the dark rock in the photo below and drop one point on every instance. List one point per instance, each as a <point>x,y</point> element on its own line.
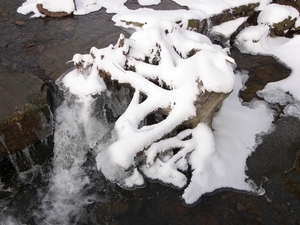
<point>33,122</point>
<point>240,207</point>
<point>291,178</point>
<point>206,25</point>
<point>36,50</point>
<point>233,13</point>
<point>262,70</point>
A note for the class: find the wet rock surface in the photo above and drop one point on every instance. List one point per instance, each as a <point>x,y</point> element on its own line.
<point>261,70</point>
<point>274,166</point>
<point>34,48</point>
<point>46,12</point>
<point>31,49</point>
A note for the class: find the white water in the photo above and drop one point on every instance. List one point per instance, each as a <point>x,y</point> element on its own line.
<point>80,125</point>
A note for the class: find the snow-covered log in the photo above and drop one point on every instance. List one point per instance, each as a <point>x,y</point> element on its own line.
<point>179,79</point>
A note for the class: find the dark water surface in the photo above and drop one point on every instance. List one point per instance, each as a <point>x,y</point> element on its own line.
<point>43,46</point>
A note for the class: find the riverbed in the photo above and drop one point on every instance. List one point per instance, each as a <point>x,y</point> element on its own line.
<point>33,47</point>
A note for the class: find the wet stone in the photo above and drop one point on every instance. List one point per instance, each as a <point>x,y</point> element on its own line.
<point>262,70</point>
<point>31,49</point>
<point>274,165</point>
<point>240,207</point>
<point>19,22</point>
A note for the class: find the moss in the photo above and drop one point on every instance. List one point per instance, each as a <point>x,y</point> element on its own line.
<point>280,29</point>
<point>193,24</point>
<point>136,24</point>
<point>233,13</point>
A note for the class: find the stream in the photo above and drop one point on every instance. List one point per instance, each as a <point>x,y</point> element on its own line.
<point>53,186</point>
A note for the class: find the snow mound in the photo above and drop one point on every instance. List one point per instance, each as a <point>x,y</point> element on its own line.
<point>275,13</point>
<point>68,6</point>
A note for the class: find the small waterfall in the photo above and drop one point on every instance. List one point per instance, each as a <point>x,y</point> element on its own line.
<point>22,161</point>
<point>81,124</point>
<point>13,160</point>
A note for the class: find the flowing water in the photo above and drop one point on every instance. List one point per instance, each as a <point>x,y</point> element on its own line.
<point>56,182</point>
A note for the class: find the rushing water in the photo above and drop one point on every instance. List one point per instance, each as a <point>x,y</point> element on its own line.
<point>66,188</point>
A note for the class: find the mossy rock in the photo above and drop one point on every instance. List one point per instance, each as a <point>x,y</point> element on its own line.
<point>281,28</point>
<point>234,13</point>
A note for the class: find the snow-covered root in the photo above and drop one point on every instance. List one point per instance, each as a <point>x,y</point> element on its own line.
<point>178,79</point>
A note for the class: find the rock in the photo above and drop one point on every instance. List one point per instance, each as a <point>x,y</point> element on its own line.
<point>47,9</point>
<point>262,70</point>
<point>240,207</point>
<point>234,13</point>
<point>281,28</point>
<point>49,13</point>
<point>19,22</point>
<point>27,126</point>
<point>204,26</point>
<point>278,26</point>
<point>135,24</point>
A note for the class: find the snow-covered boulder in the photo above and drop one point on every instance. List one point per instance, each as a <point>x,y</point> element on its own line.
<point>56,8</point>
<point>280,18</point>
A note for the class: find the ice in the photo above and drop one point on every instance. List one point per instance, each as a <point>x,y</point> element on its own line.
<point>80,124</point>
<point>292,109</point>
<point>275,95</point>
<point>284,49</point>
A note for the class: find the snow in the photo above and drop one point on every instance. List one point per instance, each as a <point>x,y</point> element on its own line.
<point>284,49</point>
<point>275,13</point>
<point>210,66</point>
<point>249,40</point>
<point>227,28</point>
<point>297,23</point>
<point>82,85</point>
<point>28,7</point>
<point>210,153</point>
<point>58,6</point>
<point>148,17</point>
<point>82,6</point>
<point>218,157</point>
<point>148,2</point>
<point>213,6</point>
<point>263,4</point>
<point>199,9</point>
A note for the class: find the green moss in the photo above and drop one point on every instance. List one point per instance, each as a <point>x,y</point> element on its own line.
<point>279,29</point>
<point>136,24</point>
<point>193,24</point>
